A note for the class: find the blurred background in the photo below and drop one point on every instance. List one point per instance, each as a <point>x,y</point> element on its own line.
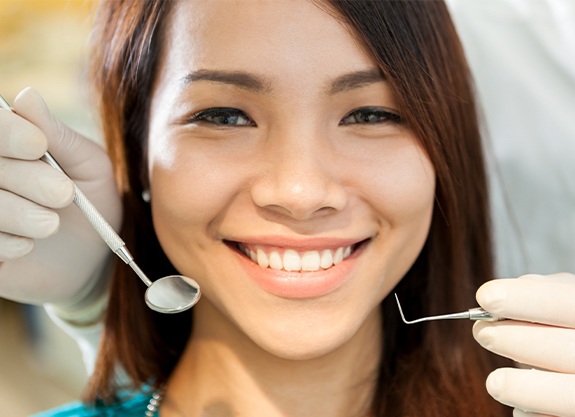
<point>43,44</point>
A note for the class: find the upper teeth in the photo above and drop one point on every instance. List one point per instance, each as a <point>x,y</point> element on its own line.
<point>292,260</point>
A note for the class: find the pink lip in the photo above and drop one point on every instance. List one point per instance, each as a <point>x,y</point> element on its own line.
<point>301,285</point>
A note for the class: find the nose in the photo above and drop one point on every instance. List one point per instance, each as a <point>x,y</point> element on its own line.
<point>299,178</point>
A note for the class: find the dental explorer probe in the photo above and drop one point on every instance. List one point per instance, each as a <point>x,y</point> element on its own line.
<point>170,294</point>
<point>474,314</point>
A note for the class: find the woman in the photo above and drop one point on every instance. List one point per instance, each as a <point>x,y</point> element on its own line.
<point>298,195</point>
<point>272,178</point>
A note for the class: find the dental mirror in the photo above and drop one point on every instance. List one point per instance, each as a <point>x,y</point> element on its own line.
<point>171,294</point>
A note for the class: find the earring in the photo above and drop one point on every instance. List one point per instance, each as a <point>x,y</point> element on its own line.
<point>146,195</point>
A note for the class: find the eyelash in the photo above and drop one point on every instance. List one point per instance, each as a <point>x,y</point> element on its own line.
<point>230,117</point>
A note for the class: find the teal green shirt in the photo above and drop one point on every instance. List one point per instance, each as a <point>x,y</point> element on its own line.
<point>129,405</point>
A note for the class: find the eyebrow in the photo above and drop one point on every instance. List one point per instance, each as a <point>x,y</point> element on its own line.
<point>258,84</point>
<point>239,79</point>
<point>355,79</point>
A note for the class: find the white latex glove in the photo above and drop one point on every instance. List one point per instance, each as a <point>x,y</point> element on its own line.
<point>540,336</point>
<point>49,253</point>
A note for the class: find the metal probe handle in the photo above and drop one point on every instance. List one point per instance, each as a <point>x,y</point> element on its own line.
<point>106,232</point>
<point>91,213</point>
<point>479,314</point>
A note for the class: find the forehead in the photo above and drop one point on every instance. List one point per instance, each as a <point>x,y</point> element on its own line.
<point>275,37</point>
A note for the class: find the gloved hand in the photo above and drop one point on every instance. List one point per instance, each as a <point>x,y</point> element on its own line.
<point>49,253</point>
<point>540,336</point>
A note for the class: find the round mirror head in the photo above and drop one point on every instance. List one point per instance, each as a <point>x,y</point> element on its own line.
<point>173,294</point>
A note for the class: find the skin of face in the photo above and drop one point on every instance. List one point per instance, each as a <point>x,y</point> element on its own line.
<point>294,166</point>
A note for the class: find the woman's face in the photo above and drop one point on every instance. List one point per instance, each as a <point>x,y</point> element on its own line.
<point>282,177</point>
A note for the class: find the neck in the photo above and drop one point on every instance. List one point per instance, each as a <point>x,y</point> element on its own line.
<point>232,376</point>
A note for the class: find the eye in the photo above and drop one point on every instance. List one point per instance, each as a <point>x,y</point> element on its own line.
<point>222,116</point>
<point>370,115</point>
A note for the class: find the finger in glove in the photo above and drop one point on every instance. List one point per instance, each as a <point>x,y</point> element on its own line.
<point>520,413</point>
<point>545,300</point>
<point>534,391</point>
<point>19,138</point>
<point>14,247</point>
<point>22,217</point>
<point>540,346</point>
<point>37,182</point>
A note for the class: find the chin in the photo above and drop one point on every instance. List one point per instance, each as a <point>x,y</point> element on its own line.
<point>303,348</point>
<point>307,339</point>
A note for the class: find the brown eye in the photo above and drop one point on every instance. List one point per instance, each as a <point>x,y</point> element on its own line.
<point>221,116</point>
<point>370,115</point>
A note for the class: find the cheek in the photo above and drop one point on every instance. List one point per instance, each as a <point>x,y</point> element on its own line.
<point>401,187</point>
<point>190,191</point>
<point>405,206</point>
<point>413,193</point>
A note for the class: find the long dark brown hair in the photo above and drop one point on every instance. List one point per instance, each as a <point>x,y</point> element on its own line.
<point>431,370</point>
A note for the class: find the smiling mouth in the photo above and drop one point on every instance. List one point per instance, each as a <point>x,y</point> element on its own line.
<point>292,260</point>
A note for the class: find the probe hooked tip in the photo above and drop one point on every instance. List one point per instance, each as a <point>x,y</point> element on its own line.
<point>472,314</point>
